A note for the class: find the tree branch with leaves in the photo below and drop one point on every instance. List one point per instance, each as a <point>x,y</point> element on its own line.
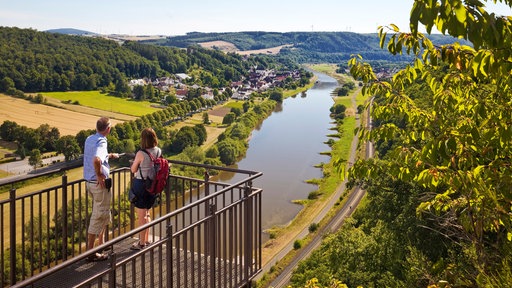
<point>459,147</point>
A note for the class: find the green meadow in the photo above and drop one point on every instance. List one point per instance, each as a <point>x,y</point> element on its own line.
<point>95,99</point>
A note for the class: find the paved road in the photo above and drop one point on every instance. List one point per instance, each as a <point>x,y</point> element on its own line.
<point>20,168</point>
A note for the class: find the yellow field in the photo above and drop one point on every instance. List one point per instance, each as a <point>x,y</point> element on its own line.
<point>32,115</point>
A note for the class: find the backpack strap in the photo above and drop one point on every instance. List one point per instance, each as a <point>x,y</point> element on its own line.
<point>151,157</point>
<point>140,171</point>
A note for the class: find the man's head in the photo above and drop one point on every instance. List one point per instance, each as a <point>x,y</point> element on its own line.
<point>103,125</point>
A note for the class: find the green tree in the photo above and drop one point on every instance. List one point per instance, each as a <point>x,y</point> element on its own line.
<point>35,158</point>
<point>171,99</point>
<point>229,118</point>
<point>343,91</point>
<point>212,152</point>
<point>185,137</point>
<point>48,136</point>
<point>68,146</point>
<point>138,92</point>
<point>229,150</point>
<point>9,130</point>
<point>237,111</point>
<point>239,131</point>
<point>277,95</point>
<point>6,84</point>
<point>29,138</point>
<point>457,148</point>
<point>201,133</point>
<point>21,151</point>
<point>122,88</point>
<point>206,118</point>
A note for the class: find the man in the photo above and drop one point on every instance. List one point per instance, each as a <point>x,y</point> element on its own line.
<point>96,175</point>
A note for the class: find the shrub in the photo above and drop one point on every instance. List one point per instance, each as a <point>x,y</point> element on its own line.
<point>313,227</point>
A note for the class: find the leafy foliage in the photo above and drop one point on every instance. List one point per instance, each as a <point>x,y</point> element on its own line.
<point>451,137</point>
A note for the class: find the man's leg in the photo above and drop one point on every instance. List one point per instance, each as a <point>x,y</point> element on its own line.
<point>101,236</point>
<point>91,238</point>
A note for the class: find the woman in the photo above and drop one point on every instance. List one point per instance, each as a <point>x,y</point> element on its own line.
<point>142,168</point>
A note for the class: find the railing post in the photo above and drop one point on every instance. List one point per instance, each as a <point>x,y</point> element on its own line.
<point>167,194</point>
<point>64,216</point>
<point>213,244</point>
<point>207,210</point>
<point>206,181</point>
<point>248,235</point>
<point>169,257</point>
<point>132,207</point>
<point>12,221</point>
<point>112,270</point>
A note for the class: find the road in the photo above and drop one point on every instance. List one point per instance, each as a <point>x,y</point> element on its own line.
<point>20,168</point>
<point>334,224</point>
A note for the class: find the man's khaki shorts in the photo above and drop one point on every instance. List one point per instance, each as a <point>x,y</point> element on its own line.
<point>100,216</point>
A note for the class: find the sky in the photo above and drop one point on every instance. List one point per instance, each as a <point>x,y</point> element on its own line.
<point>170,17</point>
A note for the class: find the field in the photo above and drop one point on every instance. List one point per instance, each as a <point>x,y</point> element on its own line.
<point>230,47</point>
<point>94,99</point>
<point>33,115</point>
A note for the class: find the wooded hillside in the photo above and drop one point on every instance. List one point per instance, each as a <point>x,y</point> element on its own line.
<point>307,47</point>
<point>33,61</point>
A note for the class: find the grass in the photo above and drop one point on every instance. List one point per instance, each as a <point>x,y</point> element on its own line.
<point>6,148</point>
<point>95,99</point>
<point>235,104</point>
<point>330,69</point>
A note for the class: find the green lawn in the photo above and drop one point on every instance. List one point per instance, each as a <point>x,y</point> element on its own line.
<point>95,99</point>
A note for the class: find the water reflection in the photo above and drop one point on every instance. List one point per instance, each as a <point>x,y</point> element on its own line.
<point>286,147</point>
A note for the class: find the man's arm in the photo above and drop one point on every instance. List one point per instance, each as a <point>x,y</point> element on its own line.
<point>97,169</point>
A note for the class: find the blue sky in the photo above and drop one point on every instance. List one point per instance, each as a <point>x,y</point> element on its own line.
<point>169,17</point>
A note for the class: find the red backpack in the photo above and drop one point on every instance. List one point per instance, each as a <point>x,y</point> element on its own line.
<point>161,166</point>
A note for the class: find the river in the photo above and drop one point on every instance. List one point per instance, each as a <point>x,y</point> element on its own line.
<point>286,147</point>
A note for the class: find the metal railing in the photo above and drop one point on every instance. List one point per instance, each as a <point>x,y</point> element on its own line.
<point>204,234</point>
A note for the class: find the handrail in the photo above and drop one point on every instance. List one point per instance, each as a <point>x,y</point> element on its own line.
<point>174,197</point>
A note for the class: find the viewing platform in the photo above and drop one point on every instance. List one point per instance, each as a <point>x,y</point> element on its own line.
<point>203,234</point>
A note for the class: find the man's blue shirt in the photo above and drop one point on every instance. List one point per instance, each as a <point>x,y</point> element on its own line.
<point>95,145</point>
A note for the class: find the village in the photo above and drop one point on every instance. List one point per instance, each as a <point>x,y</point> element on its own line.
<point>257,81</point>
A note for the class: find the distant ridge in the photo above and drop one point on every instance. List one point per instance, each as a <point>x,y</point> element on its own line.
<point>70,31</point>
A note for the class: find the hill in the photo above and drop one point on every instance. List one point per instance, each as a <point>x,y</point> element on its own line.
<point>300,47</point>
<point>70,31</point>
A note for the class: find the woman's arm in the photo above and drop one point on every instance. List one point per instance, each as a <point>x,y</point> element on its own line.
<point>136,162</point>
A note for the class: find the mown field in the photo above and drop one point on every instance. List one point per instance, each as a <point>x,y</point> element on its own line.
<point>32,115</point>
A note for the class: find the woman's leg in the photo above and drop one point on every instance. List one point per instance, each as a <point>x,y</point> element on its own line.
<point>147,219</point>
<point>141,218</point>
